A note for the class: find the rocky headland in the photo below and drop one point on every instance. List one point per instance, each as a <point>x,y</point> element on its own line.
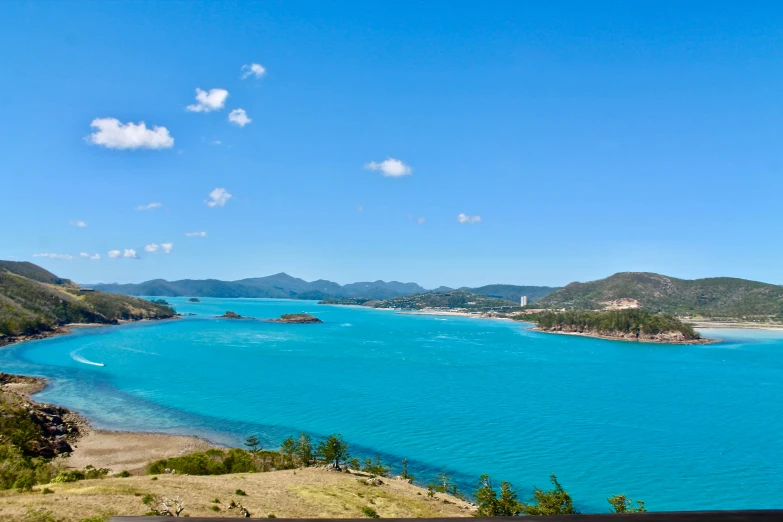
<point>296,319</point>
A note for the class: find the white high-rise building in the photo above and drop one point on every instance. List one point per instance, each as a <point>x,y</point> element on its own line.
<point>523,301</point>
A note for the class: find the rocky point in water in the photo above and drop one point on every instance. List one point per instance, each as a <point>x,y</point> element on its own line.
<point>231,315</point>
<point>194,300</point>
<point>296,318</point>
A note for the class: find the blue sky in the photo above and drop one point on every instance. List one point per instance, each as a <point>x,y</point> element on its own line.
<point>589,138</point>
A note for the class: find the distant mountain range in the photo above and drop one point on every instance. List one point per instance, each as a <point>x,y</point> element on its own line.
<point>284,286</point>
<point>712,297</point>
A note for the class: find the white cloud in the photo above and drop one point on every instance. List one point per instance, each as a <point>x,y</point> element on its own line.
<point>130,253</point>
<point>88,256</point>
<point>114,253</point>
<point>54,256</point>
<point>218,198</point>
<point>196,234</point>
<point>464,218</point>
<point>95,257</point>
<point>166,248</point>
<point>150,206</point>
<point>112,134</point>
<point>213,100</point>
<point>84,254</point>
<point>390,167</point>
<point>254,69</point>
<point>77,223</point>
<point>239,117</point>
<point>421,220</point>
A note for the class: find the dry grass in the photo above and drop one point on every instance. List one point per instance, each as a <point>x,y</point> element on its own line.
<point>286,494</point>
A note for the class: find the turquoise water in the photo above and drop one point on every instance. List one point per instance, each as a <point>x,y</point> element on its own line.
<point>682,427</point>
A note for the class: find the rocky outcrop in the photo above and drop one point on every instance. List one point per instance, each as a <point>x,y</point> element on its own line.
<point>194,300</point>
<point>231,315</point>
<point>57,427</point>
<point>296,319</point>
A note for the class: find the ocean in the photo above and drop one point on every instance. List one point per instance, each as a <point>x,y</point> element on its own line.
<point>683,427</point>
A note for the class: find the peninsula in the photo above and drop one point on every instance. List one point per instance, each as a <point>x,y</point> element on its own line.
<point>35,303</point>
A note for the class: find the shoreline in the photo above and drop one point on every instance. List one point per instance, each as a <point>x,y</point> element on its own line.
<point>65,329</point>
<point>115,450</point>
<point>611,338</point>
<point>446,313</point>
<point>726,325</point>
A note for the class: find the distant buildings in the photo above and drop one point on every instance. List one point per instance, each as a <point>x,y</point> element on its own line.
<point>523,301</point>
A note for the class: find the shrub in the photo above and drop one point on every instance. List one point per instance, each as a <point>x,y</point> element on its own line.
<point>370,512</point>
<point>214,508</point>
<point>46,491</point>
<point>240,493</point>
<point>124,473</point>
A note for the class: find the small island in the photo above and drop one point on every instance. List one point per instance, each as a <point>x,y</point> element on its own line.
<point>623,325</point>
<point>194,300</point>
<point>296,319</point>
<point>231,315</point>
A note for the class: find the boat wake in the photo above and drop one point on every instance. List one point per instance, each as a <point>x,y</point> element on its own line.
<point>78,358</point>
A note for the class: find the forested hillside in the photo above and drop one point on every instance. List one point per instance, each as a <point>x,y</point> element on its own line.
<point>33,300</point>
<point>716,297</point>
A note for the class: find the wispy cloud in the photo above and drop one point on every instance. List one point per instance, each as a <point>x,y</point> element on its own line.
<point>85,255</point>
<point>150,206</point>
<point>390,167</point>
<point>114,254</point>
<point>152,247</point>
<point>196,234</point>
<point>78,223</point>
<point>239,117</point>
<point>464,218</point>
<point>167,247</point>
<point>421,220</point>
<point>360,208</point>
<point>54,256</point>
<point>254,69</point>
<point>218,198</point>
<point>113,134</point>
<point>207,101</point>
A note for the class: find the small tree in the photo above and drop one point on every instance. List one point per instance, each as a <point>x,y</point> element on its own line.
<point>253,443</point>
<point>405,475</point>
<point>490,505</point>
<point>623,504</point>
<point>376,467</point>
<point>333,449</point>
<point>288,448</point>
<point>304,449</point>
<point>556,501</point>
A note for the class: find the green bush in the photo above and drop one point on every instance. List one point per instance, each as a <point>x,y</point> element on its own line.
<point>240,493</point>
<point>46,491</point>
<point>370,512</point>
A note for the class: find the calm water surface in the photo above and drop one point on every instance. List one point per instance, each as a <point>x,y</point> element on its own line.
<point>682,427</point>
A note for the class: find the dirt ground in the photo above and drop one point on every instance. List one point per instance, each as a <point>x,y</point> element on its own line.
<point>312,492</point>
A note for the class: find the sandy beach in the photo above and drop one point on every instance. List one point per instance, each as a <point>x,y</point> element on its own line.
<point>131,451</point>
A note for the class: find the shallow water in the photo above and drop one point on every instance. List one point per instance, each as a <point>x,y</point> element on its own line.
<point>682,427</point>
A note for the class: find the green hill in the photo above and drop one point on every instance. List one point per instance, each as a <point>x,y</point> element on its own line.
<point>33,301</point>
<point>512,292</point>
<point>449,299</point>
<point>717,297</point>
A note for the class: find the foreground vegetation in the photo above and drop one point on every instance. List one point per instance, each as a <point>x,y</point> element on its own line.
<point>35,301</point>
<point>633,322</point>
